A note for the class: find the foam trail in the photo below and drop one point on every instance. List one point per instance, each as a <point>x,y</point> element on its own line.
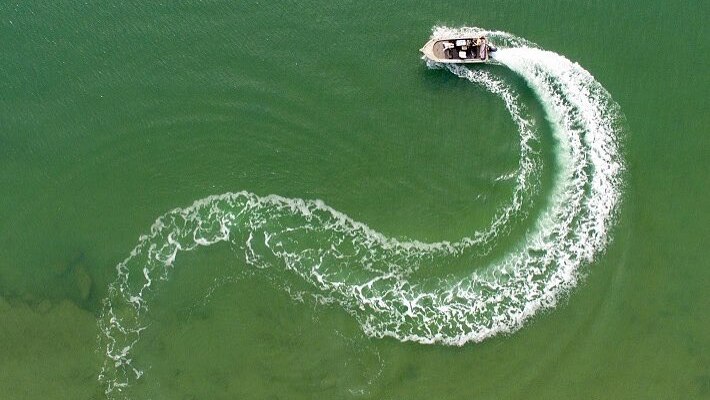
<point>372,276</point>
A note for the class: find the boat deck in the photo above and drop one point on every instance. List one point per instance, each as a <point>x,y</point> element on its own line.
<point>474,50</point>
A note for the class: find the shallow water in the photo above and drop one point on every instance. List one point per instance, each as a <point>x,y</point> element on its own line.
<point>114,115</point>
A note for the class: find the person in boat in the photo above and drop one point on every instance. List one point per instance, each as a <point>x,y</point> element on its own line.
<point>448,49</point>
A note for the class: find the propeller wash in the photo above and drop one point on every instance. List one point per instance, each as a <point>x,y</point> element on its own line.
<point>373,277</point>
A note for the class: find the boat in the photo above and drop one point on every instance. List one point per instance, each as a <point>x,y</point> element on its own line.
<point>461,50</point>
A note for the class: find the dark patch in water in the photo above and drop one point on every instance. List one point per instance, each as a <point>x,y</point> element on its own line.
<point>410,372</point>
<point>75,279</point>
<point>703,384</point>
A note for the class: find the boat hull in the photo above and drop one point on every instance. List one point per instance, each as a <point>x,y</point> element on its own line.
<point>453,51</point>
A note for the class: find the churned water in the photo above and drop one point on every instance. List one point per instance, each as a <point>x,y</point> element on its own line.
<point>319,213</point>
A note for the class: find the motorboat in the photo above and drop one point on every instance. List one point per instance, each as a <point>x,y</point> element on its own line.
<point>462,50</point>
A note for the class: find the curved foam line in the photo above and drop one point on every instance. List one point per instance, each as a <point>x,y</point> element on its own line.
<point>371,275</point>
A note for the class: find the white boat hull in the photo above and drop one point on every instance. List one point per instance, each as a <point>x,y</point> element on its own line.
<point>458,50</point>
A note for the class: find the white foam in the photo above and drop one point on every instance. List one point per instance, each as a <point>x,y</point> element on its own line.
<point>371,275</point>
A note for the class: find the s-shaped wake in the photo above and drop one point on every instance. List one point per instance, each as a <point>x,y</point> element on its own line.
<point>372,276</point>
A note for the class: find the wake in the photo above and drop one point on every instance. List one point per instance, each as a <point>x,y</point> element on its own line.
<point>372,276</point>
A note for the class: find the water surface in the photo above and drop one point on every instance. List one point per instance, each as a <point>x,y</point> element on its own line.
<point>114,114</point>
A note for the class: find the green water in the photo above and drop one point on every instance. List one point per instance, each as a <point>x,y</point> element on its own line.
<point>113,114</point>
